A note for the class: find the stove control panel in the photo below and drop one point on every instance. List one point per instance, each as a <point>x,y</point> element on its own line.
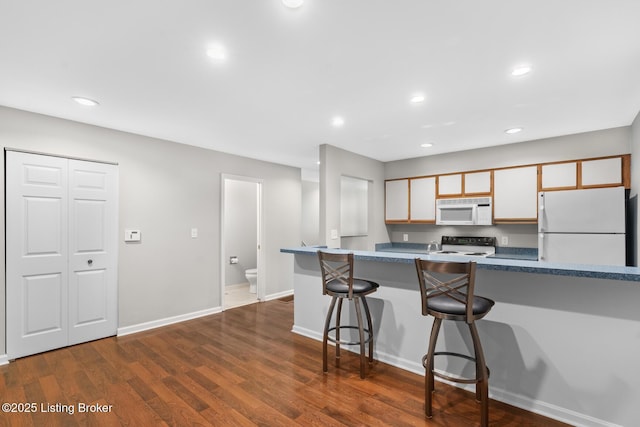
<point>468,241</point>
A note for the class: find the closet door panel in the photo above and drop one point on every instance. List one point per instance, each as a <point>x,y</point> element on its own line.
<point>93,250</point>
<point>37,261</point>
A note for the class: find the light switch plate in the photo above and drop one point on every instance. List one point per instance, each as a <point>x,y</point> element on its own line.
<point>194,233</point>
<point>334,234</point>
<point>132,235</point>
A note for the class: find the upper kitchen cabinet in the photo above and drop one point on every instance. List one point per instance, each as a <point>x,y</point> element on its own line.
<point>396,200</point>
<point>450,185</point>
<point>559,176</point>
<point>477,183</point>
<point>586,173</point>
<point>464,184</point>
<point>602,172</point>
<point>422,199</point>
<point>515,195</point>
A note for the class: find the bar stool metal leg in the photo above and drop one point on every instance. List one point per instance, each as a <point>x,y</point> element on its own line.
<point>361,335</point>
<point>325,336</point>
<point>482,386</point>
<point>337,342</point>
<point>428,362</point>
<point>370,328</point>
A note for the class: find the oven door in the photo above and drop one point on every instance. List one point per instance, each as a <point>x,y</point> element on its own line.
<point>457,214</point>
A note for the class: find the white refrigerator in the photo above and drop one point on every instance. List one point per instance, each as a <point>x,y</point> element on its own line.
<point>582,226</point>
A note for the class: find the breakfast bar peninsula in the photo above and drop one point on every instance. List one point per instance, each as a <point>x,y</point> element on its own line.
<point>563,340</point>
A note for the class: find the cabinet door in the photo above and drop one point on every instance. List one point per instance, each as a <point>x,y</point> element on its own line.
<point>397,200</point>
<point>515,194</point>
<point>602,172</point>
<point>423,199</point>
<point>477,183</point>
<point>560,176</point>
<point>450,185</point>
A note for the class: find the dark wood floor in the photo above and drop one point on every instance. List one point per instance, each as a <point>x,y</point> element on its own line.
<point>242,367</point>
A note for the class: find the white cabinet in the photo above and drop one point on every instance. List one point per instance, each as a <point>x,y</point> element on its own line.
<point>423,199</point>
<point>559,176</point>
<point>602,172</point>
<point>477,183</point>
<point>396,200</point>
<point>450,185</point>
<point>515,194</point>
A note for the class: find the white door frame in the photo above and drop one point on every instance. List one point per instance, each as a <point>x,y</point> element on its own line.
<point>260,286</point>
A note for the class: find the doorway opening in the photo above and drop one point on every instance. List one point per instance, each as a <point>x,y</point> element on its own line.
<point>241,237</point>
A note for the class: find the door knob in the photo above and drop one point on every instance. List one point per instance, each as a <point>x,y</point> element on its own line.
<point>90,262</point>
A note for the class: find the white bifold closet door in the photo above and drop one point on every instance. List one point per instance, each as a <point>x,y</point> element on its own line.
<point>61,222</point>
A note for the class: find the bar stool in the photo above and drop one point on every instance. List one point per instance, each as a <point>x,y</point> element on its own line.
<point>447,290</point>
<point>338,281</point>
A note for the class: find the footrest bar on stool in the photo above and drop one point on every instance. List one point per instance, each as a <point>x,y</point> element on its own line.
<point>341,342</point>
<point>450,378</point>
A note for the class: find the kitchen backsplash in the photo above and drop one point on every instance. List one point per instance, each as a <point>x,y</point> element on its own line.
<point>517,235</point>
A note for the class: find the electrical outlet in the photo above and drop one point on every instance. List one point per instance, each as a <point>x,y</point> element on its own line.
<point>405,237</point>
<point>504,241</point>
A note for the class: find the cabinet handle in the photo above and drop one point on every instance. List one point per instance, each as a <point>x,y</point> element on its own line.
<point>90,262</point>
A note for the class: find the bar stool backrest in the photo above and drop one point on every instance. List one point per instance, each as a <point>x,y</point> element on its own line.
<point>455,280</point>
<point>336,267</point>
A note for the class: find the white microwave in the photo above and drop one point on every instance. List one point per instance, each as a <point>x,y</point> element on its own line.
<point>464,211</point>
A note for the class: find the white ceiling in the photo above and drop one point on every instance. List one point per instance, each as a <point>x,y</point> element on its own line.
<point>289,72</point>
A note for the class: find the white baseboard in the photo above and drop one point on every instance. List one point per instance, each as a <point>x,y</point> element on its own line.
<point>278,295</point>
<point>140,327</point>
<point>4,360</point>
<point>538,407</point>
<point>127,330</point>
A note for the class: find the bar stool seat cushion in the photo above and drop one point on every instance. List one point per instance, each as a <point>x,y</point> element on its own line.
<point>359,286</point>
<point>446,305</point>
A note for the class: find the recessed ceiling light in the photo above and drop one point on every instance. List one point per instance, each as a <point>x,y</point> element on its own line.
<point>417,98</point>
<point>337,121</point>
<point>292,4</point>
<point>85,101</point>
<point>217,53</point>
<point>426,145</point>
<point>521,70</point>
<point>513,130</point>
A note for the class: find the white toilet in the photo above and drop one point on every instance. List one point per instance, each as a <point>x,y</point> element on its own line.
<point>252,276</point>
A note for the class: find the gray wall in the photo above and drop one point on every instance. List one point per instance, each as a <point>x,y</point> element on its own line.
<point>240,229</point>
<point>165,190</point>
<point>334,163</point>
<point>585,145</point>
<point>519,235</point>
<point>311,212</point>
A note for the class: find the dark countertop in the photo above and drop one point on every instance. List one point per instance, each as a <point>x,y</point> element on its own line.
<point>521,264</point>
<point>523,256</point>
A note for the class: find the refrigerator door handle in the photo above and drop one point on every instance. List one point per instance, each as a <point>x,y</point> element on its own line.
<point>541,212</point>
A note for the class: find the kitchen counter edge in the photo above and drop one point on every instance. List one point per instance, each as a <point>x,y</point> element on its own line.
<point>630,274</point>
